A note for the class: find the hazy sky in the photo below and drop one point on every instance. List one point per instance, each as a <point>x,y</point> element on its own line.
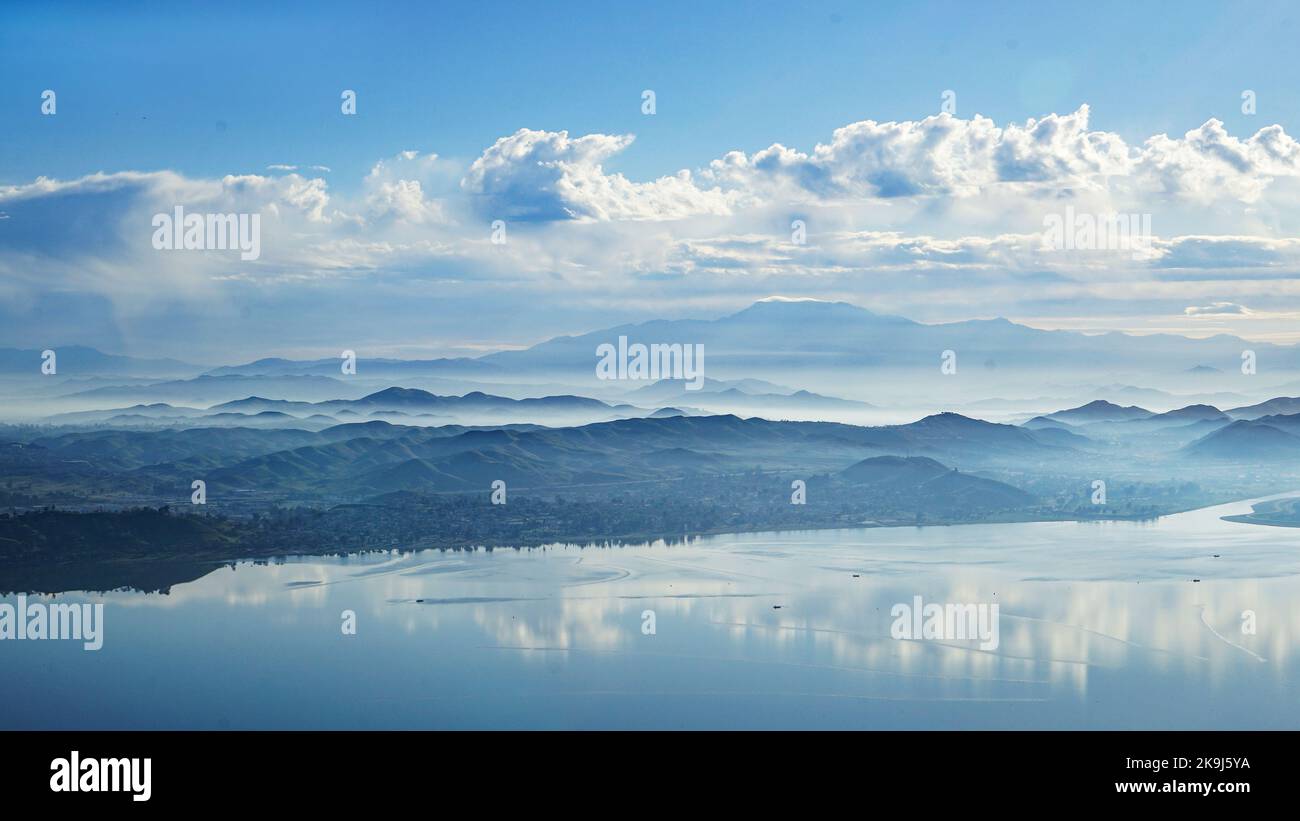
<point>923,148</point>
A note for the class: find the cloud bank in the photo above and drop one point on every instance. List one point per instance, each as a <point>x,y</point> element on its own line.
<point>916,217</point>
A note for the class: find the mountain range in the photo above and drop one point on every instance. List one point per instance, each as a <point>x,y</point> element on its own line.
<point>834,349</point>
<point>399,405</point>
<point>376,457</point>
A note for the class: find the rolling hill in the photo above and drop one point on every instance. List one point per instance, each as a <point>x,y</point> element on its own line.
<point>1246,440</point>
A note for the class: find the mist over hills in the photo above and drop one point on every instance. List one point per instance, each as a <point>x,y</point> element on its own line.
<point>805,359</point>
<point>1277,405</point>
<point>314,397</point>
<point>811,340</point>
<point>377,367</point>
<point>358,459</point>
<point>621,451</point>
<point>1246,440</point>
<point>413,439</point>
<point>87,361</point>
<point>395,404</point>
<point>378,483</point>
<point>287,450</point>
<point>353,460</point>
<point>205,389</point>
<point>1194,431</point>
<point>1099,411</point>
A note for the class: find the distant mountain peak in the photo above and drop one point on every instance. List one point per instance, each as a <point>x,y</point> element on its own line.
<point>1249,440</point>
<point>777,298</point>
<point>1194,411</point>
<point>396,393</point>
<point>1100,410</point>
<point>787,308</point>
<point>1278,404</point>
<point>951,417</point>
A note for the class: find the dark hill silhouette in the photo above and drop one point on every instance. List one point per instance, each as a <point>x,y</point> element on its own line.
<point>1246,440</point>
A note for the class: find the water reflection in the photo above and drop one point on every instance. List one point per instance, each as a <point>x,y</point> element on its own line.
<point>1102,625</point>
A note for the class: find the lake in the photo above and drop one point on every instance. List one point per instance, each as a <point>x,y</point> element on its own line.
<point>1100,625</point>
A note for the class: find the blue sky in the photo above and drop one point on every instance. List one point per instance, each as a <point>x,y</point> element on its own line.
<point>237,86</point>
<point>245,92</point>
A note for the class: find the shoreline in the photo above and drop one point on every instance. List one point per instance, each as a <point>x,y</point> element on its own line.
<point>151,573</point>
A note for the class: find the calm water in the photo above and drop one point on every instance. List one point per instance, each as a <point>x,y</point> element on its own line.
<point>1101,626</point>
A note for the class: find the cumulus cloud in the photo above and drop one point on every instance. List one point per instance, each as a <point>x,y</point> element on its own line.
<point>923,213</point>
<point>403,200</point>
<point>546,175</point>
<point>396,189</point>
<point>307,196</point>
<point>940,155</point>
<point>550,176</point>
<point>1208,163</point>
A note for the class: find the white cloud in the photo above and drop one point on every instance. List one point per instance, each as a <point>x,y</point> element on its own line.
<point>940,155</point>
<point>550,176</point>
<point>925,214</point>
<point>545,175</point>
<point>1217,309</point>
<point>396,189</point>
<point>1207,163</point>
